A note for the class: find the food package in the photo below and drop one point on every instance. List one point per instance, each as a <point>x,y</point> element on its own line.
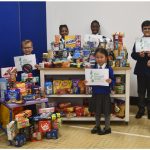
<point>3,87</point>
<point>72,41</point>
<point>86,112</point>
<point>48,88</point>
<point>75,86</point>
<point>44,126</point>
<point>12,130</point>
<point>69,109</point>
<point>56,123</point>
<point>82,86</point>
<point>66,86</point>
<point>12,95</point>
<point>22,87</point>
<point>62,86</point>
<point>23,123</point>
<point>119,108</point>
<point>46,110</point>
<point>79,111</point>
<point>64,105</point>
<point>65,64</point>
<point>23,115</point>
<point>56,86</point>
<point>36,91</point>
<point>57,39</point>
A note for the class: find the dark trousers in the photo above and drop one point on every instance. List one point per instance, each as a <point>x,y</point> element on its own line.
<point>143,83</point>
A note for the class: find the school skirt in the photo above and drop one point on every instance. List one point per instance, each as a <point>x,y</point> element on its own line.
<point>100,104</point>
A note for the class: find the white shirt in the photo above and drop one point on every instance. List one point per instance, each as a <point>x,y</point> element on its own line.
<point>101,67</point>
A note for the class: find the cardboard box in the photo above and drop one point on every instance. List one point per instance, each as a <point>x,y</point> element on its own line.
<point>46,110</point>
<point>23,115</point>
<point>23,123</point>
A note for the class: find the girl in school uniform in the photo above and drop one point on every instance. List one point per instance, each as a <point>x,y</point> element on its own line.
<point>101,102</point>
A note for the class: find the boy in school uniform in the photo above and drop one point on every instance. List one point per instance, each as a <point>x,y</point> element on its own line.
<point>27,49</point>
<point>142,70</point>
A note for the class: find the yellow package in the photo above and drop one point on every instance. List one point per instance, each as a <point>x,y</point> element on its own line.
<point>62,86</point>
<point>66,86</point>
<point>56,86</point>
<point>72,41</point>
<point>22,87</point>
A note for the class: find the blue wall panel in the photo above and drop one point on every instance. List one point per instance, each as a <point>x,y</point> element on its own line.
<point>20,21</point>
<point>9,32</point>
<point>33,25</point>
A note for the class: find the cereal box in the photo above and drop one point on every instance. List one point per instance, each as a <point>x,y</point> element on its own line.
<point>72,41</point>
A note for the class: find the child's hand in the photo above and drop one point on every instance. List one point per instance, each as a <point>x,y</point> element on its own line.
<point>142,54</point>
<point>148,63</point>
<point>85,82</point>
<point>37,66</point>
<point>109,81</point>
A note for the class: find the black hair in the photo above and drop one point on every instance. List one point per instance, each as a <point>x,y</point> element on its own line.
<point>145,23</point>
<point>102,51</point>
<point>95,21</point>
<point>63,26</point>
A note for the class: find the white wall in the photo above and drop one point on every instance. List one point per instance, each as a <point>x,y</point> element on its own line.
<point>113,16</point>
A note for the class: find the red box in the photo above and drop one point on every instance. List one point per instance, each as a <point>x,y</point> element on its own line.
<point>44,126</point>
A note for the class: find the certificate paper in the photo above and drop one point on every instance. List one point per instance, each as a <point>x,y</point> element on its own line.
<point>97,76</point>
<point>26,59</point>
<point>143,44</point>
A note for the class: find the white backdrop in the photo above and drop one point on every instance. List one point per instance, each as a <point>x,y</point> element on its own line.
<point>113,16</point>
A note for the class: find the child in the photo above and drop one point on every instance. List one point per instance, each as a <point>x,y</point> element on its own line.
<point>142,71</point>
<point>101,94</point>
<point>63,31</point>
<point>27,49</point>
<point>95,27</point>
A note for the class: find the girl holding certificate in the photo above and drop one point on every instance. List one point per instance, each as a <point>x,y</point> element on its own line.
<point>101,102</point>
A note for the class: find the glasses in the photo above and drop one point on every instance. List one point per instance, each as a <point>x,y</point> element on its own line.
<point>27,47</point>
<point>146,29</point>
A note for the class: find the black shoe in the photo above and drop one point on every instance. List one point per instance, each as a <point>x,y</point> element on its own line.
<point>95,130</point>
<point>105,131</point>
<point>139,115</point>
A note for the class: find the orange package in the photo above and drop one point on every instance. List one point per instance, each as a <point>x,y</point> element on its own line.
<point>23,115</point>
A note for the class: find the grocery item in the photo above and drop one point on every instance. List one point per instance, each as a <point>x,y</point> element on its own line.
<point>48,88</point>
<point>22,115</point>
